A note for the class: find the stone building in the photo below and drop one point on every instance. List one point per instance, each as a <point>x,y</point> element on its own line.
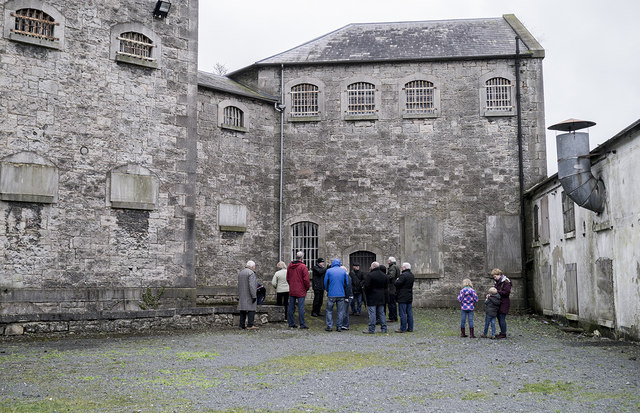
<point>124,169</point>
<point>583,245</point>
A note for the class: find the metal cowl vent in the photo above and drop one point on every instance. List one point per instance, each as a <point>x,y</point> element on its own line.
<point>574,165</point>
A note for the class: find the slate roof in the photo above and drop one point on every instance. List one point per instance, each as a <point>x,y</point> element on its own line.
<point>420,40</point>
<point>224,84</point>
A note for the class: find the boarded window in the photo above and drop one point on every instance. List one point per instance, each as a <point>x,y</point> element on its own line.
<point>568,214</point>
<point>503,243</point>
<point>605,293</point>
<point>304,237</point>
<point>547,290</point>
<point>544,220</point>
<point>571,283</point>
<point>536,223</point>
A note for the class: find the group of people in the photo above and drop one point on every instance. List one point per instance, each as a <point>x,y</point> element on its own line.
<point>381,289</point>
<point>497,305</point>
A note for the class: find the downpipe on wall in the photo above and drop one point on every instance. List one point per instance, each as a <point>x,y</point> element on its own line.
<point>279,106</point>
<point>523,246</point>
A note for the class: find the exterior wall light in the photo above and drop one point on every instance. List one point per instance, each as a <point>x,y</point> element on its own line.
<point>162,9</point>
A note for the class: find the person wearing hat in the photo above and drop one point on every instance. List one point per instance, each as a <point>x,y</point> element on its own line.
<point>357,278</point>
<point>317,283</point>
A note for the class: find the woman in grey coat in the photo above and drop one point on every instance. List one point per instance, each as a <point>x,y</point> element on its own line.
<point>247,295</point>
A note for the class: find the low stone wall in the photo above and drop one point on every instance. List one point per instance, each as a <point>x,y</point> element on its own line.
<point>130,321</point>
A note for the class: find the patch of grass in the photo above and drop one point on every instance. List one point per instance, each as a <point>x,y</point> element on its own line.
<point>439,395</point>
<point>79,403</point>
<point>53,354</point>
<point>474,395</point>
<point>7,358</point>
<point>195,355</point>
<point>309,363</point>
<point>548,387</point>
<point>595,396</point>
<point>182,378</point>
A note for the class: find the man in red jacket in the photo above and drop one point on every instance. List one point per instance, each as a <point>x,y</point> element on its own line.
<point>298,280</point>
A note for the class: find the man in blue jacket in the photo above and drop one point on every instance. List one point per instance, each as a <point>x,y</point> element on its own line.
<point>336,280</point>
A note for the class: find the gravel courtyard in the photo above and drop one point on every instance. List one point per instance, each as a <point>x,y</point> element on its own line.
<point>537,369</point>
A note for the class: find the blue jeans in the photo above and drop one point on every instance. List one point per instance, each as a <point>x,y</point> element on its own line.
<point>465,314</point>
<point>406,316</point>
<point>489,320</point>
<point>292,306</point>
<point>339,301</point>
<point>376,312</point>
<point>345,319</point>
<point>356,303</point>
<point>502,320</point>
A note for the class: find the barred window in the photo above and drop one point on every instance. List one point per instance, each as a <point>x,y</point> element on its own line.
<point>304,237</point>
<point>498,94</point>
<point>137,45</point>
<point>34,23</point>
<point>420,97</point>
<point>233,116</point>
<point>361,99</point>
<point>568,213</point>
<point>304,100</point>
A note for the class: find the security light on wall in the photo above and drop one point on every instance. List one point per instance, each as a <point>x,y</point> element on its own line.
<point>162,9</point>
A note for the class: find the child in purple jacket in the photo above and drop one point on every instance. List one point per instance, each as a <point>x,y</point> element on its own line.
<point>467,298</point>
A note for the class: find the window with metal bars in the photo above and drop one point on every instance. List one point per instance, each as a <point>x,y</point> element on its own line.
<point>233,116</point>
<point>361,99</point>
<point>420,97</point>
<point>34,23</point>
<point>568,214</point>
<point>304,237</point>
<point>498,94</point>
<point>137,45</point>
<point>304,100</point>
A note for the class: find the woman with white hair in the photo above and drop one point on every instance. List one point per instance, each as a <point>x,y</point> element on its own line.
<point>247,295</point>
<point>281,285</point>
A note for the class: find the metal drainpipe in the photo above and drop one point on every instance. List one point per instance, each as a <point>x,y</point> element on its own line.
<point>523,249</point>
<point>281,160</point>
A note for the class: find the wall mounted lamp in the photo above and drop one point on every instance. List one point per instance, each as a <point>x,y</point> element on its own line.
<point>162,9</point>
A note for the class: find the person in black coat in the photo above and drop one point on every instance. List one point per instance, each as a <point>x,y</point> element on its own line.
<point>357,276</point>
<point>404,295</point>
<point>375,288</point>
<point>317,283</point>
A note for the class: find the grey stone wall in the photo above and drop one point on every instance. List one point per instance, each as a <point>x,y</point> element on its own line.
<point>88,114</point>
<point>238,168</point>
<point>360,180</point>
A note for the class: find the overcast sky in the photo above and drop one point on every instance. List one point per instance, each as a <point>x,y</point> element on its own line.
<point>592,47</point>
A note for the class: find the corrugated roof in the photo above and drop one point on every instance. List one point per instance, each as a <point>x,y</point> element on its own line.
<point>421,40</point>
<point>223,83</point>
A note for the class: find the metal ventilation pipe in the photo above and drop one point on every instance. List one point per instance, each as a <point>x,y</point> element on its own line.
<point>574,166</point>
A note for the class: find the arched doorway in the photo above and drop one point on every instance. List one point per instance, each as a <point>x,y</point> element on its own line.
<point>364,258</point>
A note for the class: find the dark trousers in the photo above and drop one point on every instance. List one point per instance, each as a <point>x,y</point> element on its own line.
<point>283,300</point>
<point>243,317</point>
<point>393,308</point>
<point>317,301</point>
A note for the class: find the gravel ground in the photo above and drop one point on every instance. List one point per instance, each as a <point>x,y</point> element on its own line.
<point>538,368</point>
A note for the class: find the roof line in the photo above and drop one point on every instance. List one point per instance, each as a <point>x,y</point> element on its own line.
<point>525,35</point>
<point>526,54</point>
